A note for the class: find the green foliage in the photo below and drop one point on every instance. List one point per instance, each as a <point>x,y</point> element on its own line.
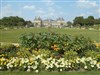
<point>81,44</point>
<point>24,52</point>
<point>89,21</point>
<point>45,53</point>
<point>93,54</point>
<point>45,41</point>
<point>12,21</point>
<point>70,55</point>
<point>8,50</point>
<point>58,43</point>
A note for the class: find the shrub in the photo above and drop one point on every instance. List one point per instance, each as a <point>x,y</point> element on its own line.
<point>8,50</point>
<point>45,53</point>
<point>93,54</point>
<point>24,52</point>
<point>70,55</point>
<point>81,44</point>
<point>58,43</point>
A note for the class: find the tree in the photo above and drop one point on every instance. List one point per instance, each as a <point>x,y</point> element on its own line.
<point>97,21</point>
<point>12,21</point>
<point>69,24</point>
<point>90,20</point>
<point>79,21</point>
<point>28,23</point>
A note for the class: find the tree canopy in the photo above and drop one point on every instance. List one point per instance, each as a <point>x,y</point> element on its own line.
<point>89,21</point>
<point>12,21</point>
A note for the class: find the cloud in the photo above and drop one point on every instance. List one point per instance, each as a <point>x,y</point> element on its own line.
<point>48,2</point>
<point>82,14</point>
<point>86,4</point>
<point>30,7</point>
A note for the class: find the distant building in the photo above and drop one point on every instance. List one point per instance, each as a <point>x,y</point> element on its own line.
<point>58,23</point>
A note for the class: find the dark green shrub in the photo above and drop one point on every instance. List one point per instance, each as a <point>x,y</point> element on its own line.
<point>59,43</point>
<point>8,50</point>
<point>81,44</point>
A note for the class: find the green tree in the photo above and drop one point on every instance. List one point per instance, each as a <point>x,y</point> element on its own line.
<point>90,20</point>
<point>97,21</point>
<point>12,21</point>
<point>69,24</point>
<point>79,21</point>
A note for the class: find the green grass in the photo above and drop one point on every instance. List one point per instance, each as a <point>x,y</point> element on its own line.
<point>50,73</point>
<point>12,35</point>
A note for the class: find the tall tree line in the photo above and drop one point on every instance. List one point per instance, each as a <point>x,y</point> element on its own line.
<point>15,21</point>
<point>89,21</point>
<point>12,21</point>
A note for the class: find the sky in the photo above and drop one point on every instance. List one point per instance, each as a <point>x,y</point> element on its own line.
<point>50,9</point>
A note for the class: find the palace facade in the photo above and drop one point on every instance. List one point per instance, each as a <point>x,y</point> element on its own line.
<point>58,23</point>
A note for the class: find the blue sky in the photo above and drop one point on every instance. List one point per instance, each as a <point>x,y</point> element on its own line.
<point>68,9</point>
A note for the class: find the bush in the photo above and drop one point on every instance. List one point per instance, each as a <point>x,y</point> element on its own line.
<point>59,43</point>
<point>45,53</point>
<point>81,44</point>
<point>70,55</point>
<point>93,54</point>
<point>8,50</point>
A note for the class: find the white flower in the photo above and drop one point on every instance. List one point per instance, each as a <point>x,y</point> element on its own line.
<point>89,59</point>
<point>85,67</point>
<point>26,60</point>
<point>28,70</point>
<point>94,62</point>
<point>24,66</point>
<point>0,68</point>
<point>69,66</point>
<point>83,60</point>
<point>36,71</point>
<point>98,65</point>
<point>60,69</point>
<point>36,63</point>
<point>34,67</point>
<point>78,60</point>
<point>29,67</point>
<point>11,66</point>
<point>92,65</point>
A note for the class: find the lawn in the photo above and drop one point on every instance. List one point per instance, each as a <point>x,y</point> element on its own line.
<point>12,35</point>
<point>49,73</point>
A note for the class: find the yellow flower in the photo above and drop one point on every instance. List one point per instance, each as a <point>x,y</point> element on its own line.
<point>1,63</point>
<point>97,45</point>
<point>18,53</point>
<point>4,63</point>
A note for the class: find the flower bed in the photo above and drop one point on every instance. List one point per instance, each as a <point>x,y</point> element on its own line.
<point>39,63</point>
<point>51,52</point>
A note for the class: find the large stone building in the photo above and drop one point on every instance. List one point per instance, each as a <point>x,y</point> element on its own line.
<point>58,23</point>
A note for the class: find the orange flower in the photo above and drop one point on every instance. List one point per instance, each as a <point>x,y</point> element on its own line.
<point>54,47</point>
